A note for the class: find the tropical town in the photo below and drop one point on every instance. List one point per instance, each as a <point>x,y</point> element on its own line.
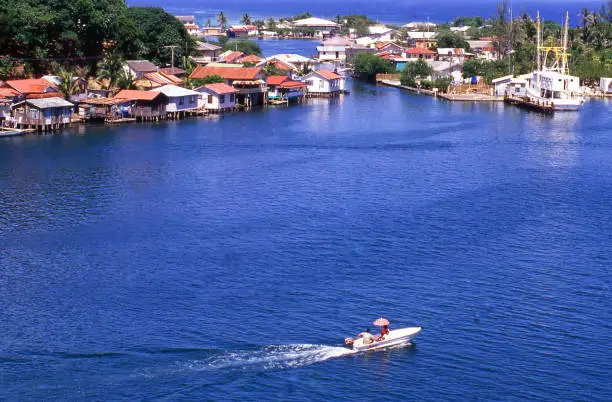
<point>198,70</point>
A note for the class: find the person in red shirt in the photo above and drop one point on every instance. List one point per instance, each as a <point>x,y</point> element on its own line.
<point>383,332</point>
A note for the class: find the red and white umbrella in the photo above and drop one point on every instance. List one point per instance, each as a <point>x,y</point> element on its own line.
<point>381,322</point>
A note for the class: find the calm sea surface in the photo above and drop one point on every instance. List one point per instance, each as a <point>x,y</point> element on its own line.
<point>227,258</point>
<point>386,11</point>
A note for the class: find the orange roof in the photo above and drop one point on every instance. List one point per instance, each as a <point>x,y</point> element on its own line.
<point>330,75</point>
<point>382,45</point>
<point>30,85</point>
<point>137,95</point>
<point>292,84</point>
<point>43,95</point>
<point>250,59</point>
<point>416,50</point>
<point>277,79</point>
<point>233,56</point>
<point>280,65</point>
<point>221,88</point>
<point>229,73</point>
<point>8,92</point>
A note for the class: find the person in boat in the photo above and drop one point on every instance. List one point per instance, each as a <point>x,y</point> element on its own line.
<point>367,337</point>
<point>384,331</point>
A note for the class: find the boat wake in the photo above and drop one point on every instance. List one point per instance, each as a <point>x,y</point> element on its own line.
<point>276,357</point>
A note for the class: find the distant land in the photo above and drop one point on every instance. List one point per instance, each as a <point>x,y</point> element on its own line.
<point>385,11</point>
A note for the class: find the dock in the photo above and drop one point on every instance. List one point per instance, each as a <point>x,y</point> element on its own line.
<point>471,97</point>
<point>529,104</point>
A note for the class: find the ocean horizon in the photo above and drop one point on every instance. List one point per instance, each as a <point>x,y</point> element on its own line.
<point>386,11</point>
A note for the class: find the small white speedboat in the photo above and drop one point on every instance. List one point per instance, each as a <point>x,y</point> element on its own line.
<point>395,337</point>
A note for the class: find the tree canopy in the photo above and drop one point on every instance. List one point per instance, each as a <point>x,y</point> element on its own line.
<point>247,47</point>
<point>368,65</point>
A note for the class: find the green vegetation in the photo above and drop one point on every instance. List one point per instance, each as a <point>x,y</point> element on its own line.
<point>469,21</point>
<point>358,22</point>
<point>450,39</point>
<point>368,65</point>
<point>209,79</point>
<point>51,35</point>
<point>221,19</point>
<point>488,70</point>
<point>414,72</point>
<point>247,47</point>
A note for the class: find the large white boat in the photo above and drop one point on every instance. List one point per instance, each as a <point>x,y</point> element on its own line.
<point>550,87</point>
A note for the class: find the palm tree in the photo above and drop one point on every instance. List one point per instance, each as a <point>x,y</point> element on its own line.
<point>208,23</point>
<point>221,19</point>
<point>110,69</point>
<point>67,84</point>
<point>125,80</point>
<point>246,19</point>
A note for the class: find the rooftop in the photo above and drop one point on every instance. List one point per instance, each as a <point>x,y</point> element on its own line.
<point>330,75</point>
<point>142,66</point>
<point>174,91</point>
<point>137,95</point>
<point>227,72</point>
<point>31,85</point>
<point>220,88</point>
<point>47,103</point>
<point>314,22</point>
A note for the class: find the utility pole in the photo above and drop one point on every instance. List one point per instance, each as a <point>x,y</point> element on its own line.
<point>172,50</point>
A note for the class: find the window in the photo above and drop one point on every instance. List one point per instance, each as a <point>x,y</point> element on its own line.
<point>221,98</point>
<point>321,84</point>
<point>192,99</point>
<point>232,98</point>
<point>210,99</point>
<point>181,101</point>
<point>309,83</point>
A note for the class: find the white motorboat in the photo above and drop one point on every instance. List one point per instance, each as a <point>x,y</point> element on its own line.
<point>395,337</point>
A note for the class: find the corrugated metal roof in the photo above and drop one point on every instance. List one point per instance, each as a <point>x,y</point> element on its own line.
<point>173,90</point>
<point>227,72</point>
<point>47,103</point>
<point>141,66</point>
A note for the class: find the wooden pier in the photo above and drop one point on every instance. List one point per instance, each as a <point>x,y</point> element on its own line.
<point>540,107</point>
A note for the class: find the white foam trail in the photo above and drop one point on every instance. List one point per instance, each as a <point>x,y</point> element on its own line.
<point>271,357</point>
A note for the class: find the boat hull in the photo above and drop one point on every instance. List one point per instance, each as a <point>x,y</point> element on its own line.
<point>394,338</point>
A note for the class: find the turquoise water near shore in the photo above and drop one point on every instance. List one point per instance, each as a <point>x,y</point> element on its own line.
<point>228,257</point>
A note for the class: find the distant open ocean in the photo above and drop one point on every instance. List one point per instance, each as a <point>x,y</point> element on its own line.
<point>386,11</point>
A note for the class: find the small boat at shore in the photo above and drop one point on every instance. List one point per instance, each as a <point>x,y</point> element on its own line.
<point>396,337</point>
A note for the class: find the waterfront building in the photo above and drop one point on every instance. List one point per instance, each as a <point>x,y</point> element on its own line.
<point>242,31</point>
<point>218,97</point>
<point>334,50</point>
<point>145,105</point>
<point>205,53</point>
<point>381,32</point>
<point>180,100</point>
<point>398,61</point>
<point>283,88</point>
<point>324,83</point>
<point>279,65</point>
<point>389,47</point>
<point>80,86</point>
<point>43,114</point>
<point>319,27</point>
<point>138,68</point>
<point>105,109</point>
<point>212,31</point>
<point>419,53</point>
<point>32,88</point>
<point>247,81</point>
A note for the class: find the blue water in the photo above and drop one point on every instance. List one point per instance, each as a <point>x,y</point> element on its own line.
<point>227,258</point>
<point>386,11</point>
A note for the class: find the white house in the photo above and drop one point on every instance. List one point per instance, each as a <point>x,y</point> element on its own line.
<point>324,83</point>
<point>605,85</point>
<point>321,26</point>
<point>501,83</point>
<point>460,30</point>
<point>179,99</point>
<point>421,25</point>
<point>381,32</point>
<point>138,68</point>
<point>217,97</point>
<point>333,49</point>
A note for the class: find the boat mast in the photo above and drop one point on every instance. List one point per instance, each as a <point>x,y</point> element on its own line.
<point>564,57</point>
<point>538,42</point>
